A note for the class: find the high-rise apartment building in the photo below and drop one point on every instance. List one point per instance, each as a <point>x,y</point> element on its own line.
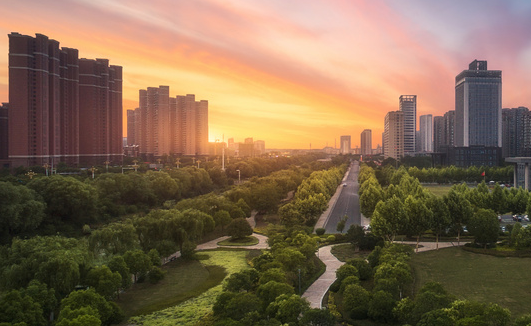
<point>408,105</point>
<point>449,128</point>
<point>394,135</point>
<point>165,125</point>
<point>100,112</point>
<point>366,142</point>
<point>4,135</point>
<point>438,133</point>
<point>426,133</point>
<point>478,95</point>
<point>259,147</point>
<point>62,108</point>
<point>345,144</point>
<point>131,116</point>
<point>513,131</point>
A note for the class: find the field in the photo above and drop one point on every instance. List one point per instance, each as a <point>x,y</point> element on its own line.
<point>438,190</point>
<point>483,278</point>
<point>188,291</point>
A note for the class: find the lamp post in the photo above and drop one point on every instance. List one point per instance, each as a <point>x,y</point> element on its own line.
<point>106,166</point>
<point>46,166</point>
<point>93,169</point>
<point>31,174</point>
<point>178,162</point>
<point>158,161</point>
<point>198,162</point>
<point>239,176</point>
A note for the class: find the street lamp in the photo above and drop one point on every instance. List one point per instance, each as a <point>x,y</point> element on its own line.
<point>239,176</point>
<point>93,169</point>
<point>30,174</point>
<point>46,166</point>
<point>158,165</point>
<point>106,166</point>
<point>198,161</point>
<point>178,162</point>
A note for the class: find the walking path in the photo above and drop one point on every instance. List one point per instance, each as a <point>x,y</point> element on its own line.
<point>316,292</point>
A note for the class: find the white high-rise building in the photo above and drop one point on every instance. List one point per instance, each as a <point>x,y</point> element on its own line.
<point>426,133</point>
<point>408,105</point>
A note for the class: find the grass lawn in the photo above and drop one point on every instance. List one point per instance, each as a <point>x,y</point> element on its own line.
<point>438,190</point>
<point>247,241</point>
<point>192,311</point>
<point>483,278</point>
<point>184,279</point>
<point>344,252</point>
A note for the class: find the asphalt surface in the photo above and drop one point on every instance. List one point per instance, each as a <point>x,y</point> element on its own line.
<point>348,202</point>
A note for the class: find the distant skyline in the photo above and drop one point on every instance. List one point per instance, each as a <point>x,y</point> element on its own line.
<point>290,72</point>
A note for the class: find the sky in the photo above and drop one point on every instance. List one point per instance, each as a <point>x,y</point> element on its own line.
<point>294,73</point>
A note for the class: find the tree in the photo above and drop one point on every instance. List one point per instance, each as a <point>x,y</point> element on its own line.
<point>388,218</point>
<point>269,291</point>
<point>441,216</point>
<point>89,298</point>
<point>18,308</point>
<point>104,281</point>
<point>459,208</point>
<point>40,294</point>
<point>20,208</point>
<point>85,316</point>
<point>419,217</point>
<point>370,196</point>
<point>381,307</point>
<point>318,317</point>
<point>484,226</point>
<point>497,199</point>
<point>68,200</point>
<point>288,308</point>
<point>223,218</point>
<point>356,301</point>
<point>341,224</point>
<point>117,264</point>
<point>242,304</point>
<point>138,262</point>
<point>239,228</point>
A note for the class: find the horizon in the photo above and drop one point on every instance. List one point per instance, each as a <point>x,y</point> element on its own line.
<point>314,71</point>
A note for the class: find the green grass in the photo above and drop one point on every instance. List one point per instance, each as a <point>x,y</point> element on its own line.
<point>184,279</point>
<point>344,252</point>
<point>192,311</point>
<point>484,278</point>
<point>247,241</point>
<point>438,190</point>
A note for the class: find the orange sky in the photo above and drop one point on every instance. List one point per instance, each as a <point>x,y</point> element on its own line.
<point>290,72</point>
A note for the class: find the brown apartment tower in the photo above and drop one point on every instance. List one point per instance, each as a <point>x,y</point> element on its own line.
<point>164,125</point>
<point>61,108</point>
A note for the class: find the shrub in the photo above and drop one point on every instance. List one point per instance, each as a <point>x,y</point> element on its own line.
<point>331,238</point>
<point>320,231</point>
<point>239,228</point>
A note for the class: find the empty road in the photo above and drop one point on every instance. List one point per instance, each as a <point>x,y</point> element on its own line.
<point>348,202</point>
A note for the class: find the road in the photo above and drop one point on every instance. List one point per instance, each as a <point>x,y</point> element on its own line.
<point>348,202</point>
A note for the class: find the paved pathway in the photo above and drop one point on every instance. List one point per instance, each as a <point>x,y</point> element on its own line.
<point>316,292</point>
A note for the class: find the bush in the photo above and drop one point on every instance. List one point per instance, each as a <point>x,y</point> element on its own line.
<point>331,238</point>
<point>239,228</point>
<point>156,274</point>
<point>320,231</point>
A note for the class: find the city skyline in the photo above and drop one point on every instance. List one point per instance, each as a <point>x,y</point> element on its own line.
<point>303,69</point>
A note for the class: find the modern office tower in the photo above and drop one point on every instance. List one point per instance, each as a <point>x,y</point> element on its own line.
<point>259,147</point>
<point>100,112</point>
<point>366,142</point>
<point>4,135</point>
<point>408,105</point>
<point>449,128</point>
<point>345,144</point>
<point>394,135</point>
<point>426,133</point>
<point>513,131</point>
<point>62,108</point>
<point>131,116</point>
<point>478,94</point>
<point>438,133</point>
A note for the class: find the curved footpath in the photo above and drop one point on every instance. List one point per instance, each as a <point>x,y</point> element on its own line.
<point>316,292</point>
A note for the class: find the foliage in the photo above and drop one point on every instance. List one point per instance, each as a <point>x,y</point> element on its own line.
<point>104,281</point>
<point>239,228</point>
<point>484,226</point>
<point>16,307</point>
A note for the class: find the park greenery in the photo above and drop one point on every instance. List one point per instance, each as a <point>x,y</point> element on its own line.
<point>73,244</point>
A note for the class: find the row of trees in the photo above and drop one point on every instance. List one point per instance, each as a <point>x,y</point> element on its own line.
<point>446,175</point>
<point>311,198</point>
<point>404,207</point>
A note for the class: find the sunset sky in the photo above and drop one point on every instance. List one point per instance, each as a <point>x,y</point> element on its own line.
<point>290,72</point>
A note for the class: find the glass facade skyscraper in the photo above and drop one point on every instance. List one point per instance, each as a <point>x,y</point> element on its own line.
<point>478,94</point>
<point>408,105</point>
